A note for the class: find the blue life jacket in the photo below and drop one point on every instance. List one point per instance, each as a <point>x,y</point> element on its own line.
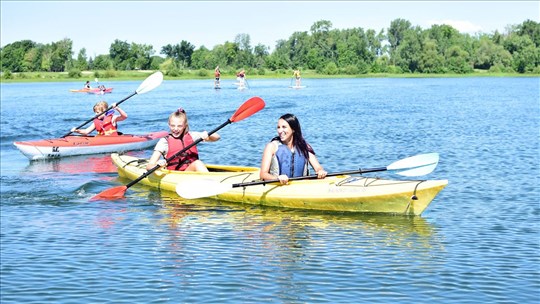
<point>292,164</point>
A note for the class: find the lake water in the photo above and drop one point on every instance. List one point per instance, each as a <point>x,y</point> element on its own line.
<point>478,241</point>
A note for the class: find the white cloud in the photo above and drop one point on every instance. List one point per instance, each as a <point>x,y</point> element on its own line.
<point>460,25</point>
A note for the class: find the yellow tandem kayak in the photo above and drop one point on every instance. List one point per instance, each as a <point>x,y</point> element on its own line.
<point>344,193</point>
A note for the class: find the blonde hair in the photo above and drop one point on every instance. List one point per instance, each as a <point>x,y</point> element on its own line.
<point>101,105</point>
<point>180,113</point>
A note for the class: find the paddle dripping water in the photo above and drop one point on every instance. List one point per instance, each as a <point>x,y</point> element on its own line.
<point>248,108</point>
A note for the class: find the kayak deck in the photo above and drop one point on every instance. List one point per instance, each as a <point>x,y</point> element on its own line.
<point>340,193</point>
<point>82,145</point>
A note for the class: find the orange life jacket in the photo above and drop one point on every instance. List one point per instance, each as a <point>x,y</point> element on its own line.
<point>105,126</point>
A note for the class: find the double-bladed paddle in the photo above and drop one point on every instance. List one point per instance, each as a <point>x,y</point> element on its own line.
<point>150,83</point>
<point>411,166</point>
<point>248,108</point>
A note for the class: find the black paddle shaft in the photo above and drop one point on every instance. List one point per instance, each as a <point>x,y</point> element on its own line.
<point>98,115</point>
<point>359,171</point>
<point>133,182</point>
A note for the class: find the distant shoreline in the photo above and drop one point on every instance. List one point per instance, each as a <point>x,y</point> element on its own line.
<point>108,76</point>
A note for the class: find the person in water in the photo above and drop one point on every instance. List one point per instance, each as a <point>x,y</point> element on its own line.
<point>288,154</point>
<point>180,137</point>
<point>106,123</point>
<point>296,75</point>
<point>217,75</point>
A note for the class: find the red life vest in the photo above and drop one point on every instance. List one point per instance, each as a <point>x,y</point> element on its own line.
<point>105,126</point>
<point>180,163</point>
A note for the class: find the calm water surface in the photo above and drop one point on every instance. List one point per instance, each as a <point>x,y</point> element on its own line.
<point>478,242</point>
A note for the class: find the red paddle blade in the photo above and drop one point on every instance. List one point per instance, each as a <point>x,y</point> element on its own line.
<point>111,194</point>
<point>250,107</point>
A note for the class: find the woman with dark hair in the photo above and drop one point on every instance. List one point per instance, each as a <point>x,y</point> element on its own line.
<point>288,154</point>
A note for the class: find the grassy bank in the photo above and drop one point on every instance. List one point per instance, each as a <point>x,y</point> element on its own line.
<point>105,76</point>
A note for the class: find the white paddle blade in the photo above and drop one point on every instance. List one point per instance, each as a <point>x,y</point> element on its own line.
<point>419,171</point>
<point>201,188</point>
<point>416,165</point>
<point>150,83</point>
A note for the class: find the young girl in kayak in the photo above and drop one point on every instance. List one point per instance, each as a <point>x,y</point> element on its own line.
<point>178,138</point>
<point>105,124</point>
<point>288,154</point>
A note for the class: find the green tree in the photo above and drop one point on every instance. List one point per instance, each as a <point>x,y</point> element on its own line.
<point>13,55</point>
<point>103,62</point>
<point>407,54</point>
<point>120,55</point>
<point>32,59</point>
<point>488,54</point>
<point>457,60</point>
<point>61,55</point>
<point>298,44</point>
<point>396,34</point>
<point>141,55</point>
<point>279,59</point>
<point>531,29</point>
<point>81,63</point>
<point>184,52</point>
<point>430,60</point>
<point>260,52</point>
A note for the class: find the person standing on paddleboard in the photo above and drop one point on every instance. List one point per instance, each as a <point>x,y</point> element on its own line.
<point>288,154</point>
<point>105,124</point>
<point>296,75</point>
<point>179,137</point>
<point>241,77</point>
<point>217,75</point>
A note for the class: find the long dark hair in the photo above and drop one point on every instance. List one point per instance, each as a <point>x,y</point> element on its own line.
<point>298,139</point>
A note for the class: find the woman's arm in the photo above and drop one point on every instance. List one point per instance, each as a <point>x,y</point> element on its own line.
<point>317,166</point>
<point>266,162</point>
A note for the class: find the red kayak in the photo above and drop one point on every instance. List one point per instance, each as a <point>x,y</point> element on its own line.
<point>93,91</point>
<point>81,145</point>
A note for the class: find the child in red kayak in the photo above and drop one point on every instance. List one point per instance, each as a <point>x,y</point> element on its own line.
<point>180,137</point>
<point>105,124</point>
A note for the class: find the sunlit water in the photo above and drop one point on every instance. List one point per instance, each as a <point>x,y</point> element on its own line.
<point>478,242</point>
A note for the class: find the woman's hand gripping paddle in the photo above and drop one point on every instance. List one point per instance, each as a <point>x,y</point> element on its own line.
<point>412,166</point>
<point>248,108</point>
<point>150,83</point>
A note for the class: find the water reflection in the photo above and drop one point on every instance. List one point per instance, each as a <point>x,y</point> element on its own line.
<point>294,225</point>
<point>99,163</point>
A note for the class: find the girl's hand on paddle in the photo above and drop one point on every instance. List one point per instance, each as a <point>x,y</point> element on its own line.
<point>162,163</point>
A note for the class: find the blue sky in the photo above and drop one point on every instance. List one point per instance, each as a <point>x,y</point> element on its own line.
<point>94,25</point>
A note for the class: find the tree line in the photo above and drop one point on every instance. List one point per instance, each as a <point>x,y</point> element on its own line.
<point>401,48</point>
